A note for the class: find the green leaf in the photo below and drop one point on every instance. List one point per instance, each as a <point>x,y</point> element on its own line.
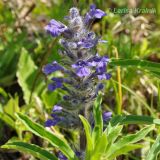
<point>26,74</point>
<point>113,133</point>
<point>12,107</point>
<point>96,135</point>
<point>98,129</point>
<point>87,129</point>
<point>129,139</point>
<point>9,55</point>
<point>154,151</point>
<point>3,92</point>
<point>7,119</point>
<point>133,119</point>
<point>156,74</point>
<point>143,64</point>
<point>43,133</point>
<point>100,147</point>
<point>125,150</point>
<point>97,112</point>
<point>32,149</point>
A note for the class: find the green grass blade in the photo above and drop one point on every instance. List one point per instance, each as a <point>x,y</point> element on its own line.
<point>156,74</point>
<point>155,150</point>
<point>138,98</point>
<point>98,113</point>
<point>43,133</point>
<point>133,119</point>
<point>32,149</point>
<point>100,147</point>
<point>98,128</point>
<point>143,64</point>
<point>87,129</point>
<point>125,150</point>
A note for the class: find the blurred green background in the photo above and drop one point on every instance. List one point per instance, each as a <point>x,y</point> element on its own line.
<point>25,48</point>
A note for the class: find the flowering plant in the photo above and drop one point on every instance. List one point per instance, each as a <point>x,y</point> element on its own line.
<point>82,68</point>
<point>83,72</point>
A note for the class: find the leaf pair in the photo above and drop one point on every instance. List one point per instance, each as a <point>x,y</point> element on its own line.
<point>108,144</point>
<point>43,133</point>
<point>125,143</point>
<point>32,149</point>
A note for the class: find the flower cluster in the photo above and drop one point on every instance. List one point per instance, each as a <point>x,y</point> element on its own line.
<point>93,13</point>
<point>83,68</point>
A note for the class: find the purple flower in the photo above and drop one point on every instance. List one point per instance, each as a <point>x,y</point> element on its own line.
<point>52,67</point>
<point>85,44</point>
<point>104,60</point>
<point>54,86</point>
<point>55,28</point>
<point>61,156</point>
<point>79,63</point>
<point>93,13</point>
<point>55,118</point>
<point>91,35</point>
<point>51,122</point>
<point>82,69</point>
<point>56,111</point>
<point>107,116</point>
<point>57,108</point>
<point>100,64</point>
<point>78,154</point>
<point>89,41</point>
<point>100,86</point>
<point>57,83</point>
<point>98,61</point>
<point>101,70</point>
<point>55,79</point>
<point>66,97</point>
<point>105,76</point>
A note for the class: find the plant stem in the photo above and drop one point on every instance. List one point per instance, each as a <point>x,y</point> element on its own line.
<point>119,107</point>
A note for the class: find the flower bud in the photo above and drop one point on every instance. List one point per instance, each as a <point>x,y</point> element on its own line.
<point>76,24</point>
<point>74,12</point>
<point>63,43</point>
<point>91,35</point>
<point>72,45</point>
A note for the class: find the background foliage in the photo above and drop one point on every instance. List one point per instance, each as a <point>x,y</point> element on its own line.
<point>25,48</point>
